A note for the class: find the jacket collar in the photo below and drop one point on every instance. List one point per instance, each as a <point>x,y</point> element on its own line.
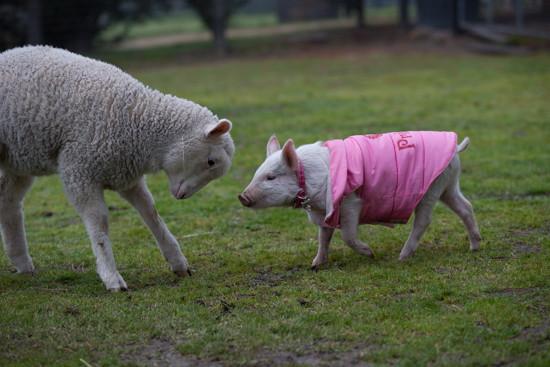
<point>302,199</point>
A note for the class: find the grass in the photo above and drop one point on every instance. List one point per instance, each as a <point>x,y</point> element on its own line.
<point>253,299</point>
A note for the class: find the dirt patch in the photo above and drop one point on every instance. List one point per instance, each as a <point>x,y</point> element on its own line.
<point>541,331</point>
<point>272,279</point>
<point>538,338</point>
<point>163,353</point>
<point>353,357</point>
<point>513,291</point>
<point>521,245</point>
<point>521,248</point>
<point>543,230</point>
<point>521,240</point>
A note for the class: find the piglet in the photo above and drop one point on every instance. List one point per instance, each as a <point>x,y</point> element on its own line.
<point>365,179</point>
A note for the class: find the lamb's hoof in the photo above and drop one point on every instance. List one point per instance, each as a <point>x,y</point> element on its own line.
<point>369,253</point>
<point>116,284</point>
<point>24,265</point>
<point>183,273</point>
<point>317,265</point>
<point>120,289</point>
<point>27,272</point>
<point>405,256</point>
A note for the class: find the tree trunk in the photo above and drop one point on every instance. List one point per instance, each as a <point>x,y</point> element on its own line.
<point>220,42</point>
<point>219,26</point>
<point>404,20</point>
<point>360,14</point>
<point>546,9</point>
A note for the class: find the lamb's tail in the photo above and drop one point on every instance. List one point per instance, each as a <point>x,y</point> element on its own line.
<point>463,145</point>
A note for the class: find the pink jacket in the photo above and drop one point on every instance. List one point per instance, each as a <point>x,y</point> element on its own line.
<point>390,172</point>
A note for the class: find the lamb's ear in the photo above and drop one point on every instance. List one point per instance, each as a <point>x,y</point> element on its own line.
<point>223,127</point>
<point>272,145</point>
<point>289,156</point>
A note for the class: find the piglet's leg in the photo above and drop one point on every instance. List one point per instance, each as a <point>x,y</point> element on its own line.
<point>461,206</point>
<point>142,200</point>
<point>424,209</point>
<point>325,235</point>
<point>422,219</point>
<point>349,221</point>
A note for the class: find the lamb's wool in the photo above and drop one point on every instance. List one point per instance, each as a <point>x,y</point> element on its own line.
<point>99,128</point>
<point>59,109</point>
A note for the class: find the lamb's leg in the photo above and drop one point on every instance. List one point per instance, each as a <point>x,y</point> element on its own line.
<point>142,200</point>
<point>349,221</point>
<point>461,206</point>
<point>90,205</point>
<point>12,192</point>
<point>325,235</point>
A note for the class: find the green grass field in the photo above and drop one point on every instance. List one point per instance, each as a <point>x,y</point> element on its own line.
<point>252,299</point>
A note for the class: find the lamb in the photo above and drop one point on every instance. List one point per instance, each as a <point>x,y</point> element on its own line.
<point>365,179</point>
<point>98,128</point>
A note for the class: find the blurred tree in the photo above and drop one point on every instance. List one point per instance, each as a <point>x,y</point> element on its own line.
<point>215,15</point>
<point>404,19</point>
<point>70,24</point>
<point>357,6</point>
<point>12,24</point>
<point>360,8</point>
<point>34,21</point>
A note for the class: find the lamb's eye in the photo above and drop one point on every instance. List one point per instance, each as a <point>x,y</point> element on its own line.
<point>211,162</point>
<point>271,177</point>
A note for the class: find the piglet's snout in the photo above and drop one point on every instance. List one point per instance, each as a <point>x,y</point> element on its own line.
<point>244,199</point>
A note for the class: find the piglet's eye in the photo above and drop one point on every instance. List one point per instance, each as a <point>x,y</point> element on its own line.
<point>211,162</point>
<point>271,177</point>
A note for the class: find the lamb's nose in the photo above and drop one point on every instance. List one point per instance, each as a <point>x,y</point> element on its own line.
<point>244,200</point>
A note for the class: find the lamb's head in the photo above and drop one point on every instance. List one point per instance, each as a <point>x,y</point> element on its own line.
<point>275,182</point>
<point>193,163</point>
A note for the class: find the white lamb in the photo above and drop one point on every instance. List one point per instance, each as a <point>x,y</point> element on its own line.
<point>99,128</point>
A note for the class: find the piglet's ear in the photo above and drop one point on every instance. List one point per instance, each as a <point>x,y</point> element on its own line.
<point>223,127</point>
<point>289,156</point>
<point>272,145</point>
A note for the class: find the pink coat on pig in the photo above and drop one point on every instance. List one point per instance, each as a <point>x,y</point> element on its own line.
<point>390,172</point>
